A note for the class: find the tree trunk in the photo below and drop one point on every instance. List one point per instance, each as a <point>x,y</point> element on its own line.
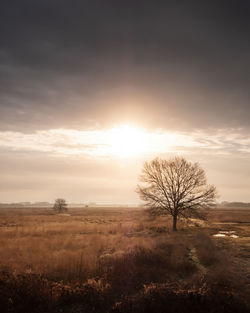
<point>174,223</point>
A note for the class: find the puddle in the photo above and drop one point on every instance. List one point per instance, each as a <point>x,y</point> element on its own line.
<point>234,236</point>
<point>226,233</point>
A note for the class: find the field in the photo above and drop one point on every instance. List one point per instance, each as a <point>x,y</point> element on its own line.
<point>123,260</point>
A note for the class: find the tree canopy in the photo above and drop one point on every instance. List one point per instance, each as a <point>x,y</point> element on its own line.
<point>176,187</point>
<point>60,205</point>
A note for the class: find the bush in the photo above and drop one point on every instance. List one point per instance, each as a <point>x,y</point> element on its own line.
<point>207,252</point>
<point>33,293</point>
<point>163,298</point>
<point>24,293</point>
<point>143,266</point>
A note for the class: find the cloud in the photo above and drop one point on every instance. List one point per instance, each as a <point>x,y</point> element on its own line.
<point>61,162</point>
<point>178,66</point>
<point>104,143</point>
<point>70,71</point>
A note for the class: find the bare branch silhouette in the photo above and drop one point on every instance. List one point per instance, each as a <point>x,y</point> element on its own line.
<point>176,187</point>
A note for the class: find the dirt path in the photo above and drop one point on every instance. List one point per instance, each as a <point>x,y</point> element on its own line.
<point>194,258</point>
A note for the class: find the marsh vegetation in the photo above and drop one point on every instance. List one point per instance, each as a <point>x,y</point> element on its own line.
<point>123,260</point>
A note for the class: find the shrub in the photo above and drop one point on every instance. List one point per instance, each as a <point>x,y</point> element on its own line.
<point>24,293</point>
<point>206,250</point>
<point>163,298</point>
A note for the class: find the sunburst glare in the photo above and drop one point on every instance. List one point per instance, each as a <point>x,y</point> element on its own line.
<point>127,141</point>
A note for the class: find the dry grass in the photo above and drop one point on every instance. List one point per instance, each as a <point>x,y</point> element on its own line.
<point>68,246</point>
<point>97,256</point>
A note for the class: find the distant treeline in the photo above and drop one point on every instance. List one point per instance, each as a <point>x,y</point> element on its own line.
<point>93,204</point>
<point>26,205</point>
<point>50,205</point>
<point>235,204</point>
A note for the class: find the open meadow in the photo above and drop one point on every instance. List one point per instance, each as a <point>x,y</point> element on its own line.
<point>123,260</point>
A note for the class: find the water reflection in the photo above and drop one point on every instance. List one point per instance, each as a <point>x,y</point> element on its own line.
<point>226,233</point>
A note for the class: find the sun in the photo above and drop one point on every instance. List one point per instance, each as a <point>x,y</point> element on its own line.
<point>127,141</point>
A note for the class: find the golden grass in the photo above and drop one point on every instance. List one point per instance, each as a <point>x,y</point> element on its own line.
<point>70,245</point>
<point>123,248</point>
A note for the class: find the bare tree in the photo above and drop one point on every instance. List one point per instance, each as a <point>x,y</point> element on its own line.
<point>176,187</point>
<point>60,205</point>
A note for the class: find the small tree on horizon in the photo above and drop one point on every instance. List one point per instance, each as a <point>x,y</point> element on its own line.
<point>176,187</point>
<point>60,205</point>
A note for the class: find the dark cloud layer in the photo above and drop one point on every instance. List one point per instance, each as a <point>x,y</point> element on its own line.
<point>83,64</point>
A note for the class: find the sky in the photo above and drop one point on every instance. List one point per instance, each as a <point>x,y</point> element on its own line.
<point>89,90</point>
